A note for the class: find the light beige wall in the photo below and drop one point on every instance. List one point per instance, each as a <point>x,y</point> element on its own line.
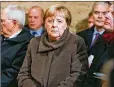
<point>79,10</point>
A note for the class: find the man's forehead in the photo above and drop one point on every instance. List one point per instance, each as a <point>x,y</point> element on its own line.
<point>34,10</point>
<point>101,6</point>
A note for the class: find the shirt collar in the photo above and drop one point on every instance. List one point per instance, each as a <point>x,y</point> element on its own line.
<point>101,32</point>
<point>38,31</point>
<point>15,35</point>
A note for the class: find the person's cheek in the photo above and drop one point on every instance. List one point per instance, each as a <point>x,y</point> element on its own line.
<point>111,20</point>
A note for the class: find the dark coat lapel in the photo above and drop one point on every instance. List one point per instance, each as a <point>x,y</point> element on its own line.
<point>90,36</point>
<point>47,68</point>
<point>103,58</point>
<point>100,39</point>
<point>99,58</point>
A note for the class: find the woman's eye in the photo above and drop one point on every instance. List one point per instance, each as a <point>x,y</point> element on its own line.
<point>59,21</point>
<point>50,21</point>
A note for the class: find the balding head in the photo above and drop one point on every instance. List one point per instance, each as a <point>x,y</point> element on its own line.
<point>35,17</point>
<point>38,8</point>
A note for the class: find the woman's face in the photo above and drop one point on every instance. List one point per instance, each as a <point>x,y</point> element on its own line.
<point>55,27</point>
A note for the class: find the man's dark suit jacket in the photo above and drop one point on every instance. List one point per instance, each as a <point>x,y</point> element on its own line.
<point>12,55</point>
<point>101,52</point>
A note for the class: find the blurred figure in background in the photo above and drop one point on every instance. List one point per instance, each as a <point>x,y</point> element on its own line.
<point>109,21</point>
<point>96,46</point>
<point>111,77</point>
<point>108,74</point>
<point>35,21</point>
<point>57,58</point>
<point>13,44</point>
<point>90,20</point>
<point>109,27</point>
<point>108,68</point>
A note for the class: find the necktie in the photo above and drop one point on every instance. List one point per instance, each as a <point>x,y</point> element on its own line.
<point>34,33</point>
<point>96,37</point>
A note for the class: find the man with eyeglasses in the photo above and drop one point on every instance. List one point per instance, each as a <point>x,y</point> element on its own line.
<point>95,43</point>
<point>14,41</point>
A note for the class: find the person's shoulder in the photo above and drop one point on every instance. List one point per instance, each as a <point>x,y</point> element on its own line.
<point>84,31</point>
<point>79,42</point>
<point>26,33</point>
<point>24,36</point>
<point>35,40</point>
<point>77,38</point>
<point>34,43</point>
<point>26,27</point>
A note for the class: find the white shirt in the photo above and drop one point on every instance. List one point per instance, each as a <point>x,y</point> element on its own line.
<point>15,35</point>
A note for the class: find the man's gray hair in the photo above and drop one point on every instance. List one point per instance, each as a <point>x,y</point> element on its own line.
<point>15,12</point>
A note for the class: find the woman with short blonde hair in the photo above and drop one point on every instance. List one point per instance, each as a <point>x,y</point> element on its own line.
<point>57,58</point>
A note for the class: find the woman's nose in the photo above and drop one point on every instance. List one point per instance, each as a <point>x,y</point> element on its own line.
<point>54,24</point>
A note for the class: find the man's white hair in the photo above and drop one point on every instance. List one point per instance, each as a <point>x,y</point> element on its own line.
<point>15,12</point>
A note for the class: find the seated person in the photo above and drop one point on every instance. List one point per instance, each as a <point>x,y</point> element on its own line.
<point>35,21</point>
<point>90,20</point>
<point>14,41</point>
<point>57,58</point>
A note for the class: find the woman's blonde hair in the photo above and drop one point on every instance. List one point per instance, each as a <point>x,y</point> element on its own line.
<point>63,11</point>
